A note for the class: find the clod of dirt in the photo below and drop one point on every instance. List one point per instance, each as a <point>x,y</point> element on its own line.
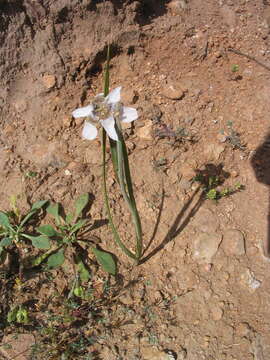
<point>233,242</point>
<point>205,247</point>
<point>217,313</point>
<point>177,6</point>
<point>206,221</point>
<point>249,280</point>
<point>49,81</point>
<point>19,346</point>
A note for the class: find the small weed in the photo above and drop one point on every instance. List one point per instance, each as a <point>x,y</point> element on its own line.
<point>233,137</point>
<point>235,68</point>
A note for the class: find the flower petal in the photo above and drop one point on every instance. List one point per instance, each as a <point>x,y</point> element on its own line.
<point>114,96</point>
<point>129,114</point>
<point>89,131</point>
<point>84,111</point>
<point>108,125</point>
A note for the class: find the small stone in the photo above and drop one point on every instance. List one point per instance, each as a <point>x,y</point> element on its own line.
<point>145,132</point>
<point>242,329</point>
<point>205,221</point>
<point>217,313</point>
<point>213,151</point>
<point>233,242</point>
<point>151,353</point>
<point>177,6</point>
<point>67,121</point>
<point>173,91</point>
<point>18,346</point>
<point>248,279</point>
<point>49,81</point>
<point>221,138</point>
<point>205,247</point>
<point>92,155</point>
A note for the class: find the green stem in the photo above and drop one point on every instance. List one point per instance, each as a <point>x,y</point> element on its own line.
<point>115,233</point>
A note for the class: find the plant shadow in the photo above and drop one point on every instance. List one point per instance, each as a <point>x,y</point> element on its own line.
<point>260,163</point>
<point>183,218</point>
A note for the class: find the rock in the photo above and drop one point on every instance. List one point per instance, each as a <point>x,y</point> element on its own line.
<point>222,138</point>
<point>173,91</point>
<point>47,154</point>
<point>49,81</point>
<point>177,6</point>
<point>217,313</point>
<point>18,346</point>
<point>242,329</point>
<point>67,120</point>
<point>205,247</point>
<point>145,132</point>
<point>205,221</point>
<point>213,151</point>
<point>151,353</point>
<point>92,155</point>
<point>233,242</point>
<point>249,280</point>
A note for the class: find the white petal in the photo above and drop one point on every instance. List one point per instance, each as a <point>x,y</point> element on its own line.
<point>89,131</point>
<point>114,96</point>
<point>108,125</point>
<point>82,112</point>
<point>129,114</point>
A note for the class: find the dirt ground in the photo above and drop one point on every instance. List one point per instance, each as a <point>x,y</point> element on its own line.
<point>202,288</point>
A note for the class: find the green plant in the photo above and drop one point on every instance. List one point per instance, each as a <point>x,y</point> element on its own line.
<point>18,314</point>
<point>14,232</point>
<point>235,68</point>
<point>67,241</point>
<point>233,137</point>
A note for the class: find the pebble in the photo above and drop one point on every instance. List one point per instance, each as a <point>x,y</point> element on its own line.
<point>145,132</point>
<point>173,91</point>
<point>206,221</point>
<point>19,346</point>
<point>213,151</point>
<point>217,313</point>
<point>233,242</point>
<point>248,279</point>
<point>49,81</point>
<point>177,6</point>
<point>152,353</point>
<point>205,247</point>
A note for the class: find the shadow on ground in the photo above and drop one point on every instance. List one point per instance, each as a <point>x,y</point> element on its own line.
<point>260,162</point>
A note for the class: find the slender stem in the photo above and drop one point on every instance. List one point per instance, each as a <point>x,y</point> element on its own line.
<point>115,233</point>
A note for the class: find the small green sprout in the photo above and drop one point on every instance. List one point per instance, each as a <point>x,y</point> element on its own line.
<point>235,68</point>
<point>18,314</point>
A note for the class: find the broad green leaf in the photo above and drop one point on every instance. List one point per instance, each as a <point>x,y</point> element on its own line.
<point>47,230</point>
<point>5,242</point>
<point>53,209</point>
<point>56,259</point>
<point>80,204</point>
<point>4,220</point>
<point>22,316</point>
<point>105,260</point>
<point>39,204</point>
<point>40,242</point>
<point>82,270</point>
<point>79,292</point>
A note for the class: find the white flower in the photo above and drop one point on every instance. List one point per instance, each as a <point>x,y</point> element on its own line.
<point>103,111</point>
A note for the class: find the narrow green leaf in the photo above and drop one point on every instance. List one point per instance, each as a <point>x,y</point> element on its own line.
<point>80,204</point>
<point>105,260</point>
<point>5,242</point>
<point>39,204</point>
<point>40,242</point>
<point>79,224</point>
<point>82,270</point>
<point>56,259</point>
<point>47,230</point>
<point>53,209</point>
<point>4,220</point>
<point>69,219</point>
